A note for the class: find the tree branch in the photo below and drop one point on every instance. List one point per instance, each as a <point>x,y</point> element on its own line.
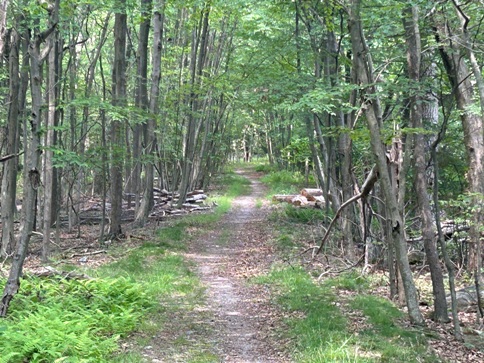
<point>365,190</point>
<point>10,156</point>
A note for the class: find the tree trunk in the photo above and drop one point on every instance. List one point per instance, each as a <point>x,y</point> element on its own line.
<point>32,180</point>
<point>364,73</point>
<point>472,124</point>
<point>119,101</point>
<point>9,177</point>
<point>49,177</point>
<point>3,25</point>
<point>421,187</point>
<point>150,148</point>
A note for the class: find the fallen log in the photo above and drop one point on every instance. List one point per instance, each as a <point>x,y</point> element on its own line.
<point>299,200</point>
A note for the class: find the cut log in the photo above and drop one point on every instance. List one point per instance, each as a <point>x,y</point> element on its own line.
<point>299,200</point>
<point>319,199</point>
<point>195,197</point>
<point>311,193</point>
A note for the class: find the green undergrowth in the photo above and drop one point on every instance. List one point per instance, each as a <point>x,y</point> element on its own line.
<point>58,319</point>
<point>84,320</point>
<point>334,321</point>
<point>284,182</point>
<point>293,214</point>
<point>77,320</point>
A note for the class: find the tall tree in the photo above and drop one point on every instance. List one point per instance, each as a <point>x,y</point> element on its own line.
<point>141,96</point>
<point>51,122</point>
<point>363,69</point>
<point>3,24</point>
<point>454,59</point>
<point>198,56</point>
<point>414,49</point>
<point>9,177</point>
<point>150,138</point>
<point>118,101</point>
<point>31,181</point>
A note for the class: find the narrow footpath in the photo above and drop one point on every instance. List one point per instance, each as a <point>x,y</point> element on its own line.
<point>235,321</point>
<point>234,253</point>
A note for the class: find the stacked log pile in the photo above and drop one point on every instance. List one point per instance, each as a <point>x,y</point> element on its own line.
<point>165,203</point>
<point>307,198</point>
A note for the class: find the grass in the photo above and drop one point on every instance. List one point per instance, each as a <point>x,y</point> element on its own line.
<point>235,185</point>
<point>321,327</point>
<point>284,182</point>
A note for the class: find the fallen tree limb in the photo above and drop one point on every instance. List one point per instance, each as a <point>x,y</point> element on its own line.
<point>88,253</point>
<point>365,190</point>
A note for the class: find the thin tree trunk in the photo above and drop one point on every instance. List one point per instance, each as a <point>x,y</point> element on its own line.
<point>49,144</point>
<point>363,70</point>
<point>119,100</point>
<point>473,127</point>
<point>32,180</point>
<point>147,200</point>
<point>9,177</point>
<point>414,64</point>
<point>443,247</point>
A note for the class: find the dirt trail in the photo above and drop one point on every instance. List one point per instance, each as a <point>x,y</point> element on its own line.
<point>237,250</point>
<point>233,321</point>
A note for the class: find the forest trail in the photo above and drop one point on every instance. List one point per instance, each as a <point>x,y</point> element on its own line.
<point>236,322</point>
